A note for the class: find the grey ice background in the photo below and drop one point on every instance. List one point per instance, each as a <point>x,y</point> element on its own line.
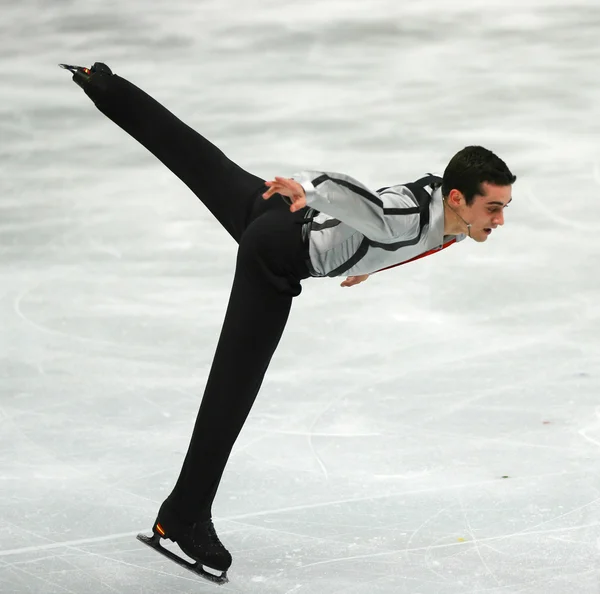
<point>374,457</point>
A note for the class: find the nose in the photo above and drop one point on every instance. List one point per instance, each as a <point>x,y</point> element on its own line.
<point>498,218</point>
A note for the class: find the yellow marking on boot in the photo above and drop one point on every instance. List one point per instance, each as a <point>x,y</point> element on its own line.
<point>160,529</point>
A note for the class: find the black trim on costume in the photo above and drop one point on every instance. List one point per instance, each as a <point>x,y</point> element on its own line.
<point>358,255</point>
<point>356,189</point>
<point>402,211</point>
<point>326,225</point>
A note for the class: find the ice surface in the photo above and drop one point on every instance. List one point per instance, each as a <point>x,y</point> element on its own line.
<point>374,459</point>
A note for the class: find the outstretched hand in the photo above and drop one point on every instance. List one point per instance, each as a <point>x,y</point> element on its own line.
<point>289,188</point>
<point>354,280</point>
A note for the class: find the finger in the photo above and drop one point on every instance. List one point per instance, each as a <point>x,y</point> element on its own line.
<point>272,190</point>
<point>272,183</point>
<point>295,206</point>
<point>285,182</point>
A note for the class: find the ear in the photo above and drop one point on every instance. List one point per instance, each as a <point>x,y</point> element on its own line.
<point>455,198</point>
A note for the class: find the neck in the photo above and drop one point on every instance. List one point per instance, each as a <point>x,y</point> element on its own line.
<point>454,224</point>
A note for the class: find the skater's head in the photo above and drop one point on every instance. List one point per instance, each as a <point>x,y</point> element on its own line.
<point>477,187</point>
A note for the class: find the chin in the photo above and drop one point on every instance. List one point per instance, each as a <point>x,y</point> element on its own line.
<point>479,238</point>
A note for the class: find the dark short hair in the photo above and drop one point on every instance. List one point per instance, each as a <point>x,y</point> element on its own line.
<point>472,166</point>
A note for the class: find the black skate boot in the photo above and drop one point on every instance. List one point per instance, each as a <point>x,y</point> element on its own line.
<point>198,541</point>
<point>83,75</point>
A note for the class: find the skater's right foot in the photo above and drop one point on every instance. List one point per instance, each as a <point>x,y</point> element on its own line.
<point>82,75</point>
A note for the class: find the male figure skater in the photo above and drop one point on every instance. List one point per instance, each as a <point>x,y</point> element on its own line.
<point>321,224</point>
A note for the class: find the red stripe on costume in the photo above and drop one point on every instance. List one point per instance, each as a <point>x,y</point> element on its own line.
<point>428,253</point>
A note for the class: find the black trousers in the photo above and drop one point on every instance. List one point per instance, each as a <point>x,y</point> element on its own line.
<point>271,262</point>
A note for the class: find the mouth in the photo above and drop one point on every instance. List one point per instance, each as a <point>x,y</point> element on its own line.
<point>487,230</point>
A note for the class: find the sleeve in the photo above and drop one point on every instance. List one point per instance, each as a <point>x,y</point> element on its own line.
<point>384,217</point>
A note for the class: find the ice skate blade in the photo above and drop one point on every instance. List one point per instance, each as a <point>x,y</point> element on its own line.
<point>154,543</point>
<point>74,69</point>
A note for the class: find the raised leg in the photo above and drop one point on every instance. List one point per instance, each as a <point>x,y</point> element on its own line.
<point>226,189</point>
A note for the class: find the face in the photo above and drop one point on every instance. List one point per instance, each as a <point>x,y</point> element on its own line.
<point>487,210</point>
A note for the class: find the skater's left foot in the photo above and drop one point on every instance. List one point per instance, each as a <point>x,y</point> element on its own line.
<point>197,540</point>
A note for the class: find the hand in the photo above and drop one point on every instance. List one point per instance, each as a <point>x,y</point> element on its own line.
<point>354,280</point>
<point>287,187</point>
